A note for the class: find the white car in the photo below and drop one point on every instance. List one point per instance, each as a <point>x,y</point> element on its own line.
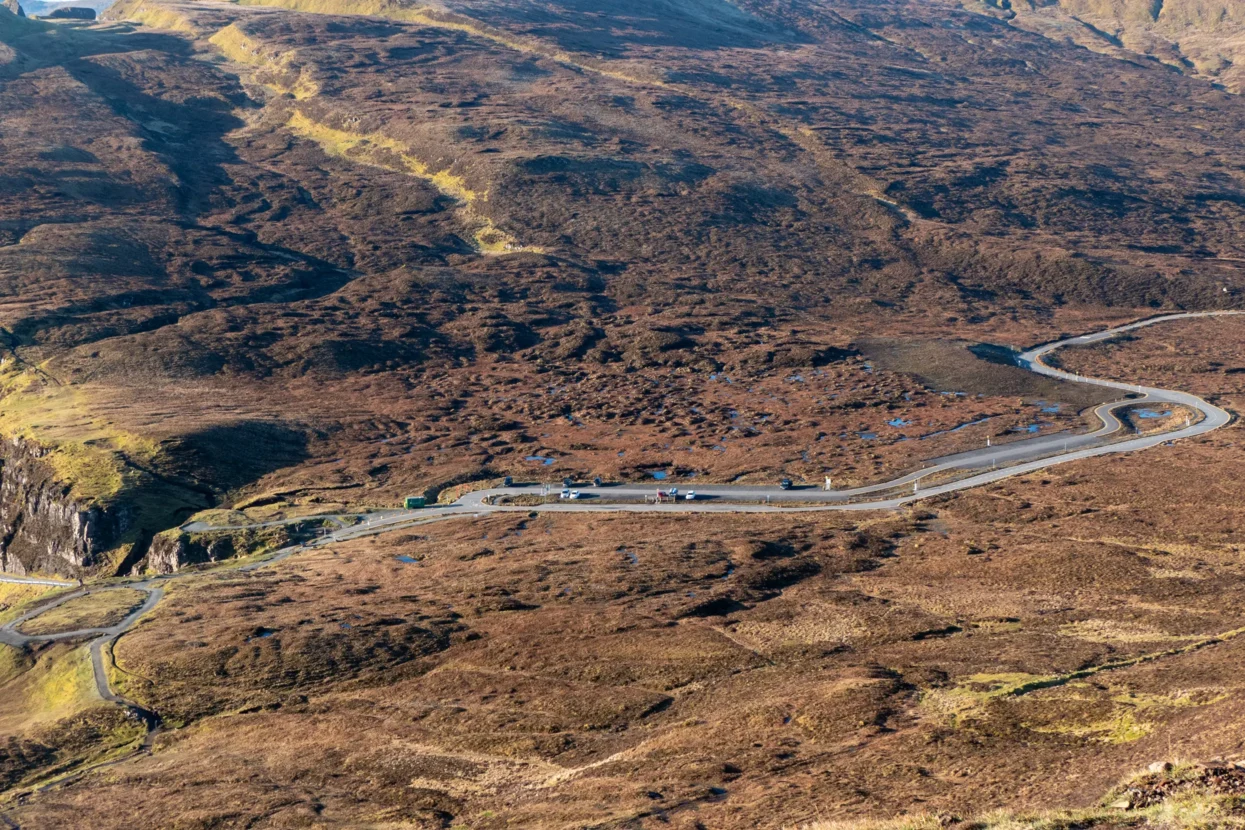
<point>691,495</point>
<point>574,494</point>
<point>565,494</point>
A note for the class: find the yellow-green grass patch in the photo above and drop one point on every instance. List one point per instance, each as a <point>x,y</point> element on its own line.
<point>58,683</point>
<point>278,69</point>
<point>99,609</point>
<point>17,598</point>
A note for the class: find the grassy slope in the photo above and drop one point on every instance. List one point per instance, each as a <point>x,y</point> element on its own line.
<point>56,684</point>
<point>97,610</point>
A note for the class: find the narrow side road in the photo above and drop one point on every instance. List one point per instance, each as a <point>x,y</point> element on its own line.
<point>1017,458</point>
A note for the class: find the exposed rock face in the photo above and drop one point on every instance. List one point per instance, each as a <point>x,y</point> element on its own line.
<point>41,528</point>
<point>72,13</point>
<point>13,6</point>
<point>170,553</point>
<point>1205,38</point>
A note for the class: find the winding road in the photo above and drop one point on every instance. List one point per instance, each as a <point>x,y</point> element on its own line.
<point>995,463</point>
<point>975,468</point>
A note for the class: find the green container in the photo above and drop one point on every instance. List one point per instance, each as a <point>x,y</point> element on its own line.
<point>414,501</point>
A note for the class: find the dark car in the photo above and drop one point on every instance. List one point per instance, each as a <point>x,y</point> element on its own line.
<point>785,484</point>
<point>596,482</point>
<point>508,481</point>
<point>567,482</point>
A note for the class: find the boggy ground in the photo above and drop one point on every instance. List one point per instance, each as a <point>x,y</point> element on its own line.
<point>1025,646</point>
<point>1206,356</point>
<point>237,269</point>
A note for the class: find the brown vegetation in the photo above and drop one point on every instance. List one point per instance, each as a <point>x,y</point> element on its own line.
<point>286,257</point>
<point>314,255</point>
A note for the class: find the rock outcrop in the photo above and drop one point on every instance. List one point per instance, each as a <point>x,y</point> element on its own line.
<point>170,552</point>
<point>1203,38</point>
<point>72,13</point>
<point>173,550</point>
<point>13,6</point>
<point>41,528</point>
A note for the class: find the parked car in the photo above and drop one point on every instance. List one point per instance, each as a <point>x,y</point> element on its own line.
<point>565,494</point>
<point>596,482</point>
<point>507,482</point>
<point>567,482</point>
<point>674,491</point>
<point>785,484</point>
<point>574,494</point>
<point>691,495</point>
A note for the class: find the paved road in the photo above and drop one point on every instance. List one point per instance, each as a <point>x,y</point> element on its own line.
<point>25,580</point>
<point>10,634</point>
<point>995,464</point>
<point>103,637</point>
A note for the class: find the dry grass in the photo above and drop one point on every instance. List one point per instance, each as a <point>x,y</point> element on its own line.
<point>99,609</point>
<point>154,15</point>
<point>275,69</point>
<point>17,597</point>
<point>56,684</point>
<point>87,451</point>
<point>379,150</point>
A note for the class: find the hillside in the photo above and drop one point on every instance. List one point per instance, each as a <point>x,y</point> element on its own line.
<point>1200,38</point>
<point>221,229</point>
<point>269,267</point>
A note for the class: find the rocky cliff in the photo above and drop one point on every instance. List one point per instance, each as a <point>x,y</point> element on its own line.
<point>1204,38</point>
<point>173,550</point>
<point>13,6</point>
<point>170,552</point>
<point>72,13</point>
<point>41,527</point>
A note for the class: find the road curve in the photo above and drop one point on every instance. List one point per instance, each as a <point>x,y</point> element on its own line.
<point>11,635</point>
<point>997,463</point>
<point>1016,458</point>
<point>993,464</point>
<point>1019,458</point>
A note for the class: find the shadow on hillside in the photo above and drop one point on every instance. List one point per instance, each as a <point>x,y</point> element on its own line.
<point>230,456</point>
